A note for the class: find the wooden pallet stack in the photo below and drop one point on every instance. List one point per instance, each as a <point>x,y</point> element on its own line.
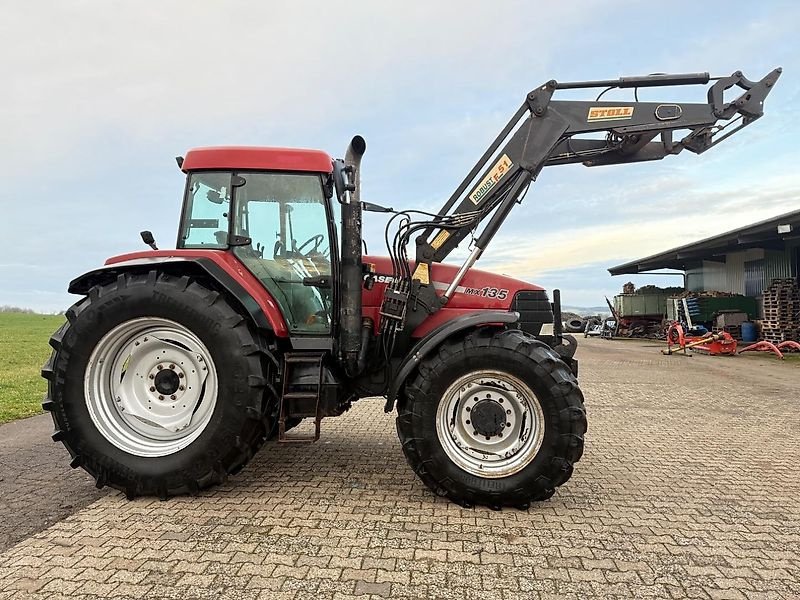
<point>781,307</point>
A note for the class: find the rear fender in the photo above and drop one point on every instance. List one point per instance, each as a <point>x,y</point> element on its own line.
<point>435,338</point>
<point>264,317</point>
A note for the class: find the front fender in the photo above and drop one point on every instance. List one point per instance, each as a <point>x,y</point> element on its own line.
<point>432,341</point>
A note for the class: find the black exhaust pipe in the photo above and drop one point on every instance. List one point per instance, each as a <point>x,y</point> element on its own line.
<point>352,269</point>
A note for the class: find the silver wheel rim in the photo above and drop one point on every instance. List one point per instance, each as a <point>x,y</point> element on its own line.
<point>150,387</point>
<point>508,449</point>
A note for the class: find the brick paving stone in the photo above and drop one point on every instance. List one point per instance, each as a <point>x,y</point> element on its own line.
<point>373,589</point>
<point>688,488</point>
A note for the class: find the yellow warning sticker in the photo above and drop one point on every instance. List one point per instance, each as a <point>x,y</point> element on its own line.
<point>440,239</point>
<point>421,274</point>
<point>492,178</point>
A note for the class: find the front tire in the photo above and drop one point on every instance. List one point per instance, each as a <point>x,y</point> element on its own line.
<point>156,385</point>
<point>495,418</point>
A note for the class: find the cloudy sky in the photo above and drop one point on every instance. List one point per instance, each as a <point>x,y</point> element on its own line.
<point>99,97</point>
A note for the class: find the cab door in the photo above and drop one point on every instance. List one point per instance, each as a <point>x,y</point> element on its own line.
<point>292,248</point>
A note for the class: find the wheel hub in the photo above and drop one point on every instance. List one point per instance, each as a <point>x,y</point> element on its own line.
<point>155,398</point>
<point>490,423</point>
<point>167,381</point>
<point>151,386</point>
<point>488,418</point>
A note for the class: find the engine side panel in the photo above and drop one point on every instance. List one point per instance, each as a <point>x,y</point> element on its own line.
<point>479,291</point>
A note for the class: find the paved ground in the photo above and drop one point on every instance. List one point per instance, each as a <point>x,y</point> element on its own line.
<point>37,485</point>
<point>689,488</point>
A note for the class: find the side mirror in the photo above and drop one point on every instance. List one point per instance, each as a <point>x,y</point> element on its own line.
<point>147,238</point>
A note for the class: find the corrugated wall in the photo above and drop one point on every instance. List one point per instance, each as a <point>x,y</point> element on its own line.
<point>734,268</point>
<point>694,279</point>
<point>730,275</point>
<point>715,276</point>
<point>777,265</point>
<point>793,248</point>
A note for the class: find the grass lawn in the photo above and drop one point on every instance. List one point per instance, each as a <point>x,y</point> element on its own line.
<point>23,351</point>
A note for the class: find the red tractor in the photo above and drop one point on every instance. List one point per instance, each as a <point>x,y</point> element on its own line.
<point>176,365</point>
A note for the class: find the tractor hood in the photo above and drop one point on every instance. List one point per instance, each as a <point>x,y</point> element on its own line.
<point>479,290</point>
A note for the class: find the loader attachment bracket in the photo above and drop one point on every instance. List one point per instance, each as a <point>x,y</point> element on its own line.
<point>750,104</point>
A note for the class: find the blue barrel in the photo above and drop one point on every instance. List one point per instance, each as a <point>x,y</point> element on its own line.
<point>749,332</point>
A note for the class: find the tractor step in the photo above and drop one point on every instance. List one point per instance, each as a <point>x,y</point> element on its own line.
<point>302,357</point>
<point>300,396</point>
<point>300,403</point>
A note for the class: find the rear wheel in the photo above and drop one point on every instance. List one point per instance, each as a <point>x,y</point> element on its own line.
<point>156,386</point>
<point>496,418</point>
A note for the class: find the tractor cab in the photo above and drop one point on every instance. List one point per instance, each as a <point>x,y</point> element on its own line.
<point>271,208</point>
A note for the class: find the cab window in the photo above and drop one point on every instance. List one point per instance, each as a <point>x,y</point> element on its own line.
<point>207,205</point>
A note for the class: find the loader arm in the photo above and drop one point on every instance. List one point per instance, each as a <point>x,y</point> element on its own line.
<point>545,132</point>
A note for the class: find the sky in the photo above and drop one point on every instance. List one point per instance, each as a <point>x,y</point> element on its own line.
<point>99,97</point>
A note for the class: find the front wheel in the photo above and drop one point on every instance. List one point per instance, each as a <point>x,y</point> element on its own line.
<point>496,418</point>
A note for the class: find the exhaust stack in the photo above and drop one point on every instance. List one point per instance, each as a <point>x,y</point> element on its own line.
<point>352,270</point>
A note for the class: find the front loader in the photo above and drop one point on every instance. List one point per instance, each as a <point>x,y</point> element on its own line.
<point>175,366</point>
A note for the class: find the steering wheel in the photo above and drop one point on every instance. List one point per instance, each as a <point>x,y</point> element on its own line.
<point>316,239</point>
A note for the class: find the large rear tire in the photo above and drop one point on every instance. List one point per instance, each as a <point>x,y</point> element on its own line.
<point>156,386</point>
<point>495,418</point>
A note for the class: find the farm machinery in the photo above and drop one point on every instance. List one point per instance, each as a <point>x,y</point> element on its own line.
<point>681,340</point>
<point>175,366</point>
<point>716,344</point>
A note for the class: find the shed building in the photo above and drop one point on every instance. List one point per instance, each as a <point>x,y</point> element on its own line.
<point>743,261</point>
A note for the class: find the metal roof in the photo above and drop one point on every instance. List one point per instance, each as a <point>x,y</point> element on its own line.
<point>763,234</point>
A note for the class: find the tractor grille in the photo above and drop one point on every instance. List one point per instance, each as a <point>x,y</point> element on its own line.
<point>534,309</point>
